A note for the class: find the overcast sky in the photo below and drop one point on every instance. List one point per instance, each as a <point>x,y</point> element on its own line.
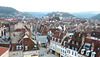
<point>53,5</point>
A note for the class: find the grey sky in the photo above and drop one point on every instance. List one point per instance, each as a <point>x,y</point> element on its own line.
<point>53,5</point>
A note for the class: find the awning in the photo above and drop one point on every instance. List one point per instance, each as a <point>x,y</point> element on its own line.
<point>57,52</point>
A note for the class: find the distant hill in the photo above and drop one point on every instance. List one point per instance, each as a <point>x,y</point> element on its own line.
<point>57,14</point>
<point>8,12</point>
<point>87,14</point>
<point>38,14</point>
<point>96,17</point>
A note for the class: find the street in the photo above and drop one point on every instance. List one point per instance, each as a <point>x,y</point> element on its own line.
<point>43,53</point>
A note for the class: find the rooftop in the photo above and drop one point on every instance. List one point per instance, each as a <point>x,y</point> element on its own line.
<point>3,50</point>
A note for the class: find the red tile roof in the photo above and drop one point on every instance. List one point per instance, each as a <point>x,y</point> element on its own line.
<point>95,47</point>
<point>96,34</point>
<point>3,50</point>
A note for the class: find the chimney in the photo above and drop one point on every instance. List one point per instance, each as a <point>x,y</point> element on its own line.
<point>83,39</point>
<point>92,47</point>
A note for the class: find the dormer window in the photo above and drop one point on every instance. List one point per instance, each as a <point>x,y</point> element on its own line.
<point>93,54</point>
<point>52,38</point>
<point>64,43</point>
<point>26,47</point>
<point>58,40</point>
<point>93,33</point>
<point>87,53</point>
<point>75,49</point>
<point>20,47</point>
<point>77,43</point>
<point>79,35</point>
<point>87,45</point>
<point>82,51</point>
<point>35,46</point>
<point>55,39</point>
<point>98,48</point>
<point>68,46</point>
<point>72,42</point>
<point>39,42</point>
<point>72,48</point>
<point>71,36</point>
<point>79,55</point>
<point>17,47</point>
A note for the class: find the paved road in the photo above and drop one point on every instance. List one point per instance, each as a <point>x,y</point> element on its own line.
<point>44,51</point>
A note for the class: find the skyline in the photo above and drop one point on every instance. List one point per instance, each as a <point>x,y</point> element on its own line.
<point>52,5</point>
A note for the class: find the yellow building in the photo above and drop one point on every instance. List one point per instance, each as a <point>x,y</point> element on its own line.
<point>31,55</point>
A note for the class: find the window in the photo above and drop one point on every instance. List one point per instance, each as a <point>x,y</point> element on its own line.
<point>72,52</point>
<point>68,51</point>
<point>20,47</point>
<point>39,42</point>
<point>35,46</point>
<point>72,42</point>
<point>20,52</point>
<point>61,50</point>
<point>87,45</point>
<point>16,52</point>
<point>68,46</point>
<point>75,49</point>
<point>79,56</point>
<point>72,48</point>
<point>71,36</point>
<point>58,40</point>
<point>93,33</point>
<point>17,47</point>
<point>79,35</point>
<point>52,38</point>
<point>77,43</point>
<point>65,52</point>
<point>2,33</point>
<point>75,54</point>
<point>13,54</point>
<point>93,54</point>
<point>55,39</point>
<point>61,56</point>
<point>87,53</point>
<point>82,51</point>
<point>26,47</point>
<point>64,43</point>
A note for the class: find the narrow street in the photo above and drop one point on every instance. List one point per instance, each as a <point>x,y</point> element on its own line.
<point>44,51</point>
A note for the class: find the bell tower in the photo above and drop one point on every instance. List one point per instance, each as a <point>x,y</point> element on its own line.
<point>60,16</point>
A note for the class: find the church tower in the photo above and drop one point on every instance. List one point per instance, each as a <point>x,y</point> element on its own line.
<point>60,16</point>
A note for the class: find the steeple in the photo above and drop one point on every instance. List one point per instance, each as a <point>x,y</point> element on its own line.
<point>60,16</point>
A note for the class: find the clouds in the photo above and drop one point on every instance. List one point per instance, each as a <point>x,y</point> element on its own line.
<point>52,5</point>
